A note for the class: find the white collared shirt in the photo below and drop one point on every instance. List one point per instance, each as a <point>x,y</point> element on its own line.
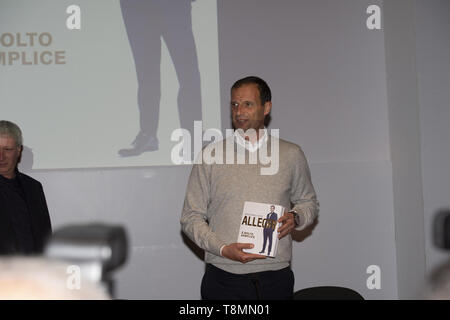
<point>252,147</point>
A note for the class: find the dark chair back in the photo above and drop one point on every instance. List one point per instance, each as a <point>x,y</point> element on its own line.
<point>327,293</point>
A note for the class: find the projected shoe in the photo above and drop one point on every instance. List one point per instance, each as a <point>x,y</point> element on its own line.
<point>144,142</point>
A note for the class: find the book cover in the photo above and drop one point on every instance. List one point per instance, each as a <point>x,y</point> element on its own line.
<point>259,225</point>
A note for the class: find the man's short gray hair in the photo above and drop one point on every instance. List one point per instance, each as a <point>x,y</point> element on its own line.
<point>10,129</point>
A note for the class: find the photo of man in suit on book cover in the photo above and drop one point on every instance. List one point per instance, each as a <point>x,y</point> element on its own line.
<point>269,228</point>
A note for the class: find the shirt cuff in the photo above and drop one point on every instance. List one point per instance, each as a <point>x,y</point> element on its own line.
<point>221,248</point>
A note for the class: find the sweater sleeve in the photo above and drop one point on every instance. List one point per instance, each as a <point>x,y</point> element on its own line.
<point>194,219</point>
<point>303,195</point>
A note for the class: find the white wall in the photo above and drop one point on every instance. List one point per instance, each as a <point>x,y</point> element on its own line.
<point>432,18</point>
<point>401,81</point>
<point>328,76</point>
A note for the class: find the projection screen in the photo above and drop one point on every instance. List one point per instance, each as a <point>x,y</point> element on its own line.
<point>83,81</point>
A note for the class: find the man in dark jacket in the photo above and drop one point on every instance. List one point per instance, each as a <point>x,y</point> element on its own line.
<point>24,218</point>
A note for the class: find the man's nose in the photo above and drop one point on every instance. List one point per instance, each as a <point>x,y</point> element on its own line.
<point>239,109</point>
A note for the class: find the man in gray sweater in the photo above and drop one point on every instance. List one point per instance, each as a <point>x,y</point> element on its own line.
<point>216,193</point>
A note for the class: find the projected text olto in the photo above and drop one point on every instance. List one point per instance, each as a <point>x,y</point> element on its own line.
<point>29,48</point>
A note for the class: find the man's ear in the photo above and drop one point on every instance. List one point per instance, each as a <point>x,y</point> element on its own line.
<point>267,107</point>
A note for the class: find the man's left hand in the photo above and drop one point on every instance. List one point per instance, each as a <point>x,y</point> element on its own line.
<point>288,222</point>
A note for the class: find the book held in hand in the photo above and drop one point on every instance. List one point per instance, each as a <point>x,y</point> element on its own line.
<point>259,225</point>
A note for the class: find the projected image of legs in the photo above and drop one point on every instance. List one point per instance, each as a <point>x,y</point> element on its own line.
<point>147,22</point>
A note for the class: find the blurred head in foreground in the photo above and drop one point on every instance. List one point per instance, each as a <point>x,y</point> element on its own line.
<point>438,287</point>
<point>43,279</point>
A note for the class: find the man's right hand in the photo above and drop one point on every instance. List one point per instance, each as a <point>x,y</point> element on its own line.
<point>234,252</point>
